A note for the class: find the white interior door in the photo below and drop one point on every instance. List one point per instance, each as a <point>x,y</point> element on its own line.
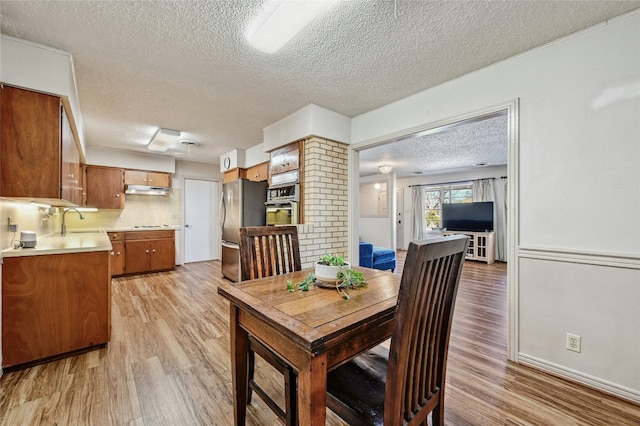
<point>400,218</point>
<point>201,223</point>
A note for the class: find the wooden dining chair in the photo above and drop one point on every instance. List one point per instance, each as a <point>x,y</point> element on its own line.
<point>266,251</point>
<point>405,383</point>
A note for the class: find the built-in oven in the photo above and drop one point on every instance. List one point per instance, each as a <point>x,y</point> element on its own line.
<point>283,200</point>
<point>285,213</point>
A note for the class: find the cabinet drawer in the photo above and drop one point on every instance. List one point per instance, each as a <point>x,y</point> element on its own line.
<point>116,236</point>
<point>149,235</point>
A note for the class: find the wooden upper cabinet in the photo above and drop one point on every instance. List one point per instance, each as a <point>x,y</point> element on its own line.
<point>259,172</point>
<point>104,187</point>
<point>233,175</point>
<point>72,181</point>
<point>285,159</point>
<point>141,177</point>
<point>135,177</point>
<point>30,148</point>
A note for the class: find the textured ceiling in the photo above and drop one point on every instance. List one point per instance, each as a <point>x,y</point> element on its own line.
<point>474,143</point>
<point>185,65</point>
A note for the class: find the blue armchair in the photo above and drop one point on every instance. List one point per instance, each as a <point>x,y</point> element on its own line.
<point>377,257</point>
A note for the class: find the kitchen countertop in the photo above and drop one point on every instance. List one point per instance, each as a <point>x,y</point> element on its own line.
<point>78,240</point>
<point>132,228</point>
<point>72,242</point>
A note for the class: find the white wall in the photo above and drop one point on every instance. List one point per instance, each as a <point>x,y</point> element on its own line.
<point>193,170</point>
<point>311,120</point>
<point>255,155</point>
<point>378,231</point>
<point>43,69</point>
<point>577,244</point>
<point>97,156</point>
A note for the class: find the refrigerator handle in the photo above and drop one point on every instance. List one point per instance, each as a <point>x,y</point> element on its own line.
<point>223,212</point>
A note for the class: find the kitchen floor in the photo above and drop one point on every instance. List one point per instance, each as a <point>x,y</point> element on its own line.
<point>168,364</point>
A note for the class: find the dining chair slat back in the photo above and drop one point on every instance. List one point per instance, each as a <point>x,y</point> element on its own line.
<point>266,251</point>
<point>406,384</point>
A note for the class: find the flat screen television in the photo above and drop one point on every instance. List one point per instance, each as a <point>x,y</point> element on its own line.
<point>476,217</point>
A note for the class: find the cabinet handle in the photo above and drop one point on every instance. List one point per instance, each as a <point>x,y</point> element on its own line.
<point>118,253</point>
<point>144,180</point>
<point>117,195</point>
<point>112,253</point>
<point>147,251</point>
<point>153,251</point>
<point>114,236</point>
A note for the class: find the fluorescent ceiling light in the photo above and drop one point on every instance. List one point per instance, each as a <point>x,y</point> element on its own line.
<point>163,139</point>
<point>281,20</point>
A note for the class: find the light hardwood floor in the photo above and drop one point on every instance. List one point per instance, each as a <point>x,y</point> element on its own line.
<point>168,364</point>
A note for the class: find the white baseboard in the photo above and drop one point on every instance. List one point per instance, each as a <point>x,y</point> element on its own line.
<point>629,394</point>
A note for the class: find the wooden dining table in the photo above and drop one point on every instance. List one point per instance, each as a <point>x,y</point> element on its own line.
<point>314,331</point>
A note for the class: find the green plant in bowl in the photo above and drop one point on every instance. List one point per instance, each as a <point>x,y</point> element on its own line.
<point>332,260</point>
<point>328,267</point>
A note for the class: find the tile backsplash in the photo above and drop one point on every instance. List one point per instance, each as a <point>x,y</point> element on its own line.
<point>139,210</point>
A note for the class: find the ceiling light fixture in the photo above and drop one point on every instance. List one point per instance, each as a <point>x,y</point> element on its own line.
<point>384,169</point>
<point>281,20</point>
<point>163,139</point>
<point>189,144</point>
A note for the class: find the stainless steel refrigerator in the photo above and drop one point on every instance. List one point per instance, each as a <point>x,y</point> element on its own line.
<point>242,204</point>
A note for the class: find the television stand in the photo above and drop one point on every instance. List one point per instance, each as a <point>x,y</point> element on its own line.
<point>482,245</point>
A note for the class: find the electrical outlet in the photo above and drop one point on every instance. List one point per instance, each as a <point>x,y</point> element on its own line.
<point>573,342</point>
<point>12,226</point>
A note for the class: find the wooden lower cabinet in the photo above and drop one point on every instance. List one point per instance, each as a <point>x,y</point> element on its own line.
<point>53,305</point>
<point>116,259</point>
<point>149,251</point>
<point>116,255</point>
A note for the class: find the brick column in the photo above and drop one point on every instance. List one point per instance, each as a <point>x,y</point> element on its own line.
<point>325,200</point>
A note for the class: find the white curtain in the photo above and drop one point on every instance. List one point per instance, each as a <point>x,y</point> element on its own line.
<point>489,190</point>
<point>418,213</point>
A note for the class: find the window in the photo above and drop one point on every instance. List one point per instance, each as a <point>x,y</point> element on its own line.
<point>437,195</point>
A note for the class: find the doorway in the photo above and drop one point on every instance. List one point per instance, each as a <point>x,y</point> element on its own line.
<point>201,224</point>
<point>508,109</point>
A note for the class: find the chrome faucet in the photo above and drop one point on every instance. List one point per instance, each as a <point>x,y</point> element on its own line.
<point>64,226</point>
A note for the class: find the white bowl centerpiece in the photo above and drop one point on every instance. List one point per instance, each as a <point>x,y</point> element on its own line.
<point>329,266</point>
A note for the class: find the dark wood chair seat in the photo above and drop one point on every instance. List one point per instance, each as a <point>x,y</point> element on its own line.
<point>266,251</point>
<point>359,386</point>
<point>403,385</point>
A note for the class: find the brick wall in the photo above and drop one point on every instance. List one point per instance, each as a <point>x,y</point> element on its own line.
<point>325,200</point>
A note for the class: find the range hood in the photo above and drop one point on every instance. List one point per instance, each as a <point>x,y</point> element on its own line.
<point>146,190</point>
